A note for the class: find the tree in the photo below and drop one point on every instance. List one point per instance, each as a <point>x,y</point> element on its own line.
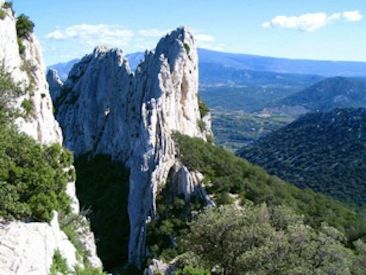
<point>263,240</point>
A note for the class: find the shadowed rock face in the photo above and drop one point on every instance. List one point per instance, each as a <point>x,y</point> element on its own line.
<point>105,109</point>
<point>55,83</point>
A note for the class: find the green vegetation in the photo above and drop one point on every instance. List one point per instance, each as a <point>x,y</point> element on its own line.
<point>268,240</point>
<point>188,270</point>
<point>24,27</point>
<point>27,105</point>
<point>328,94</point>
<point>173,214</point>
<point>102,188</point>
<point>88,271</point>
<point>59,265</point>
<point>8,92</point>
<point>74,226</point>
<point>8,5</point>
<point>322,151</point>
<point>233,130</point>
<point>32,177</point>
<point>2,14</point>
<point>226,173</point>
<point>187,48</point>
<point>201,125</point>
<point>204,110</point>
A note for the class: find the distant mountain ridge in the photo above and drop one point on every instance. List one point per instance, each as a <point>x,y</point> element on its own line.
<point>323,151</point>
<point>246,62</point>
<point>328,94</point>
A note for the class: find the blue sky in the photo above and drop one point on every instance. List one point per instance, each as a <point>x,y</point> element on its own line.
<point>312,29</point>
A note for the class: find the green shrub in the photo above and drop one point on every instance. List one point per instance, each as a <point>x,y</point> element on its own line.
<point>8,5</point>
<point>24,26</point>
<point>201,125</point>
<point>59,265</point>
<point>187,48</point>
<point>32,177</point>
<point>267,240</point>
<point>8,92</point>
<point>28,107</point>
<point>21,46</point>
<point>173,215</point>
<point>74,226</point>
<point>188,270</point>
<point>2,14</point>
<point>88,271</point>
<point>204,110</point>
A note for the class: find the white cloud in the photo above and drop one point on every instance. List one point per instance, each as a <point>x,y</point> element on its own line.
<point>205,38</point>
<point>311,21</point>
<point>119,36</point>
<point>77,40</point>
<point>94,34</point>
<point>352,16</point>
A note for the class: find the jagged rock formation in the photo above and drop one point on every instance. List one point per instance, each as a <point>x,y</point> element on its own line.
<point>55,83</point>
<point>28,247</point>
<point>105,109</point>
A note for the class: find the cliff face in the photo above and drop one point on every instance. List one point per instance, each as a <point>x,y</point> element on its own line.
<point>166,87</point>
<point>93,107</point>
<point>55,83</point>
<point>29,73</point>
<point>28,247</point>
<point>104,109</point>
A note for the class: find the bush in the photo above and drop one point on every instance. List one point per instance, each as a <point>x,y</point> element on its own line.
<point>32,177</point>
<point>187,48</point>
<point>8,92</point>
<point>88,271</point>
<point>21,46</point>
<point>28,107</point>
<point>24,26</point>
<point>59,265</point>
<point>2,14</point>
<point>263,240</point>
<point>8,5</point>
<point>188,270</point>
<point>204,110</point>
<point>202,125</point>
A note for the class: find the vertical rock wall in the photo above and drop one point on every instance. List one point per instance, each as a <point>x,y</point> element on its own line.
<point>104,109</point>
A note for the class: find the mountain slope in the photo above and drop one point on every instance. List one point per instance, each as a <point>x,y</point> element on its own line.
<point>323,151</point>
<point>337,92</point>
<point>283,65</point>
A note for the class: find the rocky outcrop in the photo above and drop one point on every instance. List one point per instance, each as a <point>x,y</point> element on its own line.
<point>27,70</point>
<point>94,107</point>
<point>105,109</point>
<point>28,247</point>
<point>55,83</point>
